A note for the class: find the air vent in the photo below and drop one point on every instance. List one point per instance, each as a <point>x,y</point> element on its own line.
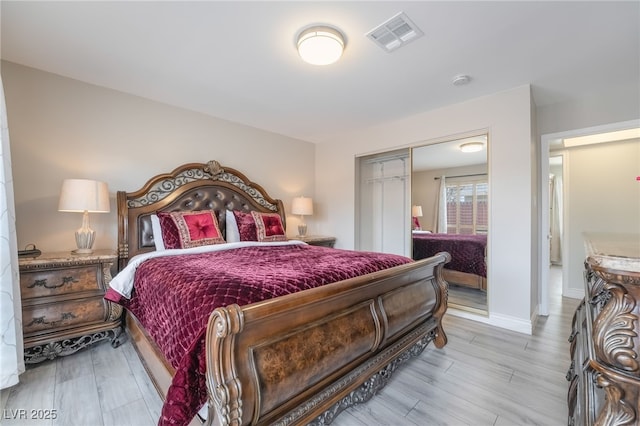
<point>395,32</point>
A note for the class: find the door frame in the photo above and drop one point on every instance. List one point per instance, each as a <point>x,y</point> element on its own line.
<point>547,140</point>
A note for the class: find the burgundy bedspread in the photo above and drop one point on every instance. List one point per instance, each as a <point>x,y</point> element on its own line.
<point>173,297</point>
<point>467,251</point>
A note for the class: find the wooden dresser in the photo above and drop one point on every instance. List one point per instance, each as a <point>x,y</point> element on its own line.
<point>604,375</point>
<point>63,309</point>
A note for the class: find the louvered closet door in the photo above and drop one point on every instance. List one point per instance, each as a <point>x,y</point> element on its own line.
<point>382,213</point>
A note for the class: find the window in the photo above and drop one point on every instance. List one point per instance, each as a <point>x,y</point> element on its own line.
<point>467,207</point>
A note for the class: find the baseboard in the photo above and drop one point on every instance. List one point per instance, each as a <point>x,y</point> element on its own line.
<point>511,323</point>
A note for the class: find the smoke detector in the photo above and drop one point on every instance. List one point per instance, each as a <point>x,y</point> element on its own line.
<point>461,80</point>
<point>395,33</point>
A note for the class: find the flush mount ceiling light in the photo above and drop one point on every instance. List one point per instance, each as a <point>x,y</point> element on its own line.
<point>320,45</point>
<point>471,147</point>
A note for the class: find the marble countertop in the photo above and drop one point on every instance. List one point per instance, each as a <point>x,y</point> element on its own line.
<point>313,238</point>
<point>619,252</point>
<point>67,256</point>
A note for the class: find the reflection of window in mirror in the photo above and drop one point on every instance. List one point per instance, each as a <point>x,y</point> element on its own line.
<point>449,181</point>
<point>467,210</point>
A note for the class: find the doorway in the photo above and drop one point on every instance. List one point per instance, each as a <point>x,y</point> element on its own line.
<point>571,252</point>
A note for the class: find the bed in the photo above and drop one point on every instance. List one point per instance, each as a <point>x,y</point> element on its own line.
<point>468,265</point>
<point>298,358</point>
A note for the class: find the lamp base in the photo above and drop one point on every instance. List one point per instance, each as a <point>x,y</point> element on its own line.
<point>82,251</point>
<point>85,236</point>
<point>302,230</point>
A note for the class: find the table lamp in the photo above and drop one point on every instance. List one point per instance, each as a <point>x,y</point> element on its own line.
<point>84,196</point>
<point>416,212</point>
<point>304,207</point>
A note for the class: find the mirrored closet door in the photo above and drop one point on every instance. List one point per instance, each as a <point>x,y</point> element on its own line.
<point>449,197</point>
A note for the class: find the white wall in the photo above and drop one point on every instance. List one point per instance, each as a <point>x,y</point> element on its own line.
<point>63,128</point>
<point>601,195</point>
<point>616,106</point>
<point>506,116</point>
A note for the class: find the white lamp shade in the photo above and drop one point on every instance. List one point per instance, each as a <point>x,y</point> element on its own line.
<point>80,195</point>
<point>416,211</point>
<point>320,45</point>
<point>302,206</point>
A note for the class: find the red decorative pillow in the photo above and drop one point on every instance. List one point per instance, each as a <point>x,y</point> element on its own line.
<point>246,226</point>
<point>170,235</point>
<point>194,229</point>
<point>269,227</point>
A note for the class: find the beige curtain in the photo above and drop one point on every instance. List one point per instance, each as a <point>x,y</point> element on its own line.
<point>11,351</point>
<point>440,216</point>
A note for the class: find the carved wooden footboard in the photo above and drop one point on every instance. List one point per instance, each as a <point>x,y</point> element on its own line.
<point>290,359</point>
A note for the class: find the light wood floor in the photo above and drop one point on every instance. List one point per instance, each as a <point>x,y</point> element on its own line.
<point>484,376</point>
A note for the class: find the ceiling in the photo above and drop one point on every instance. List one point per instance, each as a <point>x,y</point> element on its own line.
<point>237,60</point>
<point>447,154</point>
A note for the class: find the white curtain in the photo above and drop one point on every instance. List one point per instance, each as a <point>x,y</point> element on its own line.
<point>555,222</point>
<point>11,351</point>
<point>440,222</point>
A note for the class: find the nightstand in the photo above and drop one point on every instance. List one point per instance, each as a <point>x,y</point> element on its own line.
<point>63,309</point>
<point>317,240</point>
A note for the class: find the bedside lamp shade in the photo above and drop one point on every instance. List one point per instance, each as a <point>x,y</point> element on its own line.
<point>304,207</point>
<point>84,196</point>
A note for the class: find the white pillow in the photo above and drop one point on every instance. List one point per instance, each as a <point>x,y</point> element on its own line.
<point>233,234</point>
<point>157,232</point>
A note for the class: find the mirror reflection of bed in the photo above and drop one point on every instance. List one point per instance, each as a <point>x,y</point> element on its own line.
<point>449,196</point>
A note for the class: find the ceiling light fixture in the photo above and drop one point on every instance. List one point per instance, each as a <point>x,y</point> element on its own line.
<point>471,147</point>
<point>320,45</point>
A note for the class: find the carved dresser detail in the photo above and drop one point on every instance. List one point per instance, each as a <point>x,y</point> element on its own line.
<point>63,309</point>
<point>604,374</point>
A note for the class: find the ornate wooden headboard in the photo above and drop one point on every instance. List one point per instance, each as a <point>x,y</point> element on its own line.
<point>193,186</point>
